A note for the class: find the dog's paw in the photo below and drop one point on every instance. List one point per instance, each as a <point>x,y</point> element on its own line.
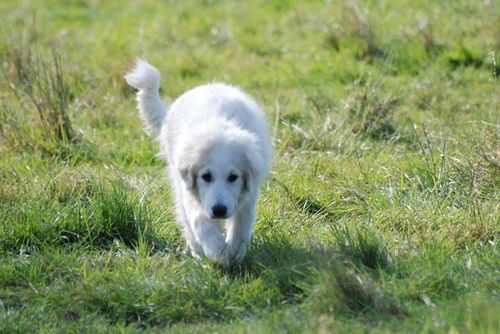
<point>239,254</point>
<point>193,253</point>
<point>236,251</point>
<point>217,252</point>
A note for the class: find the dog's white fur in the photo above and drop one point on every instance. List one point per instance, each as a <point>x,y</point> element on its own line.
<point>215,140</point>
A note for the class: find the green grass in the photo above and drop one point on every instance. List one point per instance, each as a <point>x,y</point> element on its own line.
<point>382,210</point>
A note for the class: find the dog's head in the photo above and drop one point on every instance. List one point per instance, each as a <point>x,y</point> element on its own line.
<point>221,167</point>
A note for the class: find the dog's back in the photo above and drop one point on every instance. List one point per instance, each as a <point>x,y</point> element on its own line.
<point>201,104</point>
<point>217,101</point>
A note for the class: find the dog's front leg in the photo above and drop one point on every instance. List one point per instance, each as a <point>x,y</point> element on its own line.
<point>195,249</point>
<point>239,230</point>
<point>207,233</point>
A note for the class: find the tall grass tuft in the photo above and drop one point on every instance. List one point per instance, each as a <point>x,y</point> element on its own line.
<point>37,116</point>
<point>362,246</point>
<point>368,112</point>
<point>359,20</point>
<point>119,213</point>
<point>356,23</point>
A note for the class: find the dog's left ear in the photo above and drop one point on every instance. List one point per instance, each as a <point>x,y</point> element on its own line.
<point>186,170</point>
<point>188,177</point>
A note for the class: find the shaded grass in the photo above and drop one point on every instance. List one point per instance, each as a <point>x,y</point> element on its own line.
<point>86,210</point>
<point>362,246</point>
<point>344,290</point>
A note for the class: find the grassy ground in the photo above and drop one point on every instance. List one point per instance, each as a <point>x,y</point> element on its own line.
<point>382,211</point>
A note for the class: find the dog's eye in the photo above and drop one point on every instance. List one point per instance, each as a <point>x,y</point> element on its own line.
<point>232,178</point>
<point>207,177</point>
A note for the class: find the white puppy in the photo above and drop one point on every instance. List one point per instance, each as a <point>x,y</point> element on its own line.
<point>216,143</point>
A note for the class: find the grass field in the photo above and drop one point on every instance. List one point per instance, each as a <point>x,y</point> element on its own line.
<point>382,210</point>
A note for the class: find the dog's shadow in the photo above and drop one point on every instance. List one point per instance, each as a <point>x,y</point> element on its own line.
<point>277,262</point>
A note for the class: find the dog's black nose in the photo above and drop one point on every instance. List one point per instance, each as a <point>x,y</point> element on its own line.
<point>219,211</point>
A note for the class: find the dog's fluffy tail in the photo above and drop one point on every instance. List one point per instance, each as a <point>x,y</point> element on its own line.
<point>146,79</point>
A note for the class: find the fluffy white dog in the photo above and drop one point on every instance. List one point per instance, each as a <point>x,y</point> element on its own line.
<point>217,146</point>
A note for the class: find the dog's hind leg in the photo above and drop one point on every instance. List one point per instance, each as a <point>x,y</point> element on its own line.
<point>239,230</point>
